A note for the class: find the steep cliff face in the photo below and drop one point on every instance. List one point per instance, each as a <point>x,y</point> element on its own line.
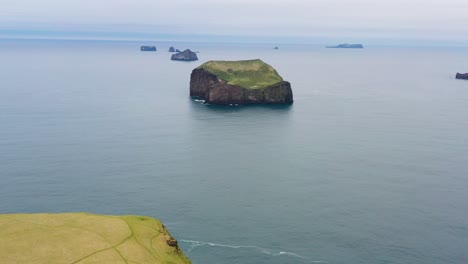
<point>200,81</point>
<point>223,93</point>
<point>215,90</point>
<point>463,76</point>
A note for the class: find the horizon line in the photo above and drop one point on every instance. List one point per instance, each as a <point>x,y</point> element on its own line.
<point>247,40</point>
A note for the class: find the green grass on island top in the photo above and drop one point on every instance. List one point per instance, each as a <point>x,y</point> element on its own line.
<point>251,74</point>
<point>85,238</point>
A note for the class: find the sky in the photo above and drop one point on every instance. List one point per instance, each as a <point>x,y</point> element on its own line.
<point>443,21</point>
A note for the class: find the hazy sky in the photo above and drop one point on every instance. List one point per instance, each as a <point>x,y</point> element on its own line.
<point>388,19</point>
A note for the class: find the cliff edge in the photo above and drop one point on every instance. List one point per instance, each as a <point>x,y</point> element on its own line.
<point>86,238</point>
<point>239,82</point>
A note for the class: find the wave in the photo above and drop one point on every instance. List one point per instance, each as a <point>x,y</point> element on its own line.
<point>195,244</point>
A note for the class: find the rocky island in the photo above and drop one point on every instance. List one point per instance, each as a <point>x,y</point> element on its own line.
<point>86,238</point>
<point>347,46</point>
<point>239,82</point>
<point>462,76</point>
<point>172,49</point>
<point>186,55</point>
<point>148,48</point>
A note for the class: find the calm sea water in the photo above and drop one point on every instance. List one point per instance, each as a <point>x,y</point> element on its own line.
<point>370,164</point>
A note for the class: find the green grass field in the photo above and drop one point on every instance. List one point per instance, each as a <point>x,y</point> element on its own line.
<point>85,238</point>
<point>251,74</point>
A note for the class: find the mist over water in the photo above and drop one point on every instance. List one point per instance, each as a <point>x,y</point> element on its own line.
<point>369,165</point>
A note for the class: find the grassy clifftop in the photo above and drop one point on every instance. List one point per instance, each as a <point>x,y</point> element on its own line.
<point>251,74</point>
<point>86,238</point>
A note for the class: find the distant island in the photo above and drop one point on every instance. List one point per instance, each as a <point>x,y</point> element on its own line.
<point>86,238</point>
<point>276,48</point>
<point>462,76</point>
<point>172,49</point>
<point>239,82</point>
<point>148,48</point>
<point>186,55</point>
<point>346,46</point>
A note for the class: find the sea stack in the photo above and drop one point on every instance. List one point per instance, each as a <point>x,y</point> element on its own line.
<point>462,76</point>
<point>239,82</point>
<point>186,55</point>
<point>148,48</point>
<point>172,49</point>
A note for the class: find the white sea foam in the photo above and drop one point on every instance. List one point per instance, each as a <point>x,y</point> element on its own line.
<point>200,243</point>
<point>195,244</point>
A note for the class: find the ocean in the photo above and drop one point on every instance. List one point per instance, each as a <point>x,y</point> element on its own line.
<point>369,165</point>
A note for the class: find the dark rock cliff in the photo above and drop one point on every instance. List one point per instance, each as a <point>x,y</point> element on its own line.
<point>213,90</point>
<point>463,76</point>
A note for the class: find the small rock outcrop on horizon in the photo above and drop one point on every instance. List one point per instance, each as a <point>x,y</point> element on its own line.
<point>347,46</point>
<point>178,50</point>
<point>172,49</point>
<point>148,48</point>
<point>462,76</point>
<point>239,82</point>
<point>186,55</point>
<point>276,48</point>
